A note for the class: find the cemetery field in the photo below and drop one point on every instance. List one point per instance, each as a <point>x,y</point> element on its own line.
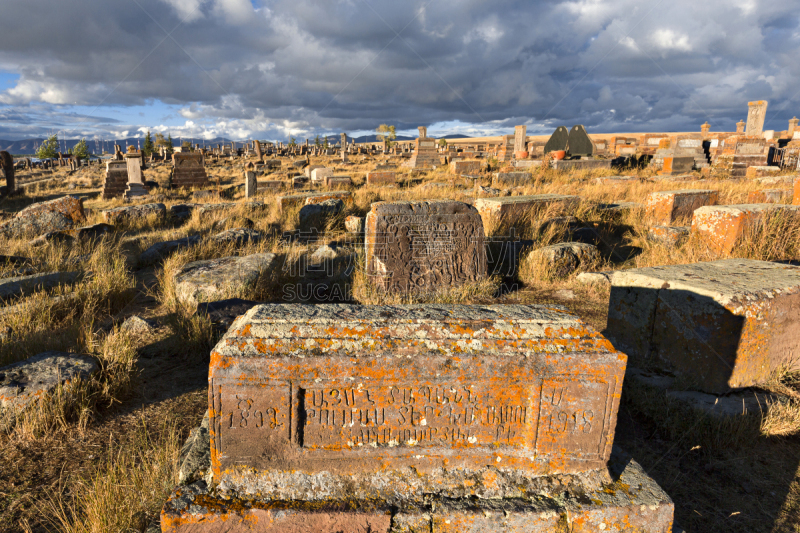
<point>103,453</point>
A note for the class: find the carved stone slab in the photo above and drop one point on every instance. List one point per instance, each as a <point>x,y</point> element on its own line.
<point>350,389</point>
<point>424,245</point>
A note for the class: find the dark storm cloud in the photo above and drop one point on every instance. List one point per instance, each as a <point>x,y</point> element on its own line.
<point>305,66</point>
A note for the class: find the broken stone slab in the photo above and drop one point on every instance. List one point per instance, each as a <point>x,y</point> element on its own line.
<point>195,457</point>
<point>668,235</point>
<point>419,246</point>
<point>300,199</point>
<point>283,363</point>
<point>238,236</point>
<point>722,227</point>
<point>741,403</point>
<point>161,250</point>
<point>213,208</point>
<point>623,499</point>
<point>181,212</point>
<point>216,279</point>
<point>513,207</point>
<point>23,383</point>
<point>665,208</point>
<point>770,196</point>
<point>54,215</point>
<point>22,285</point>
<point>354,224</point>
<point>511,179</point>
<point>382,179</point>
<point>316,216</point>
<point>128,213</point>
<point>565,258</point>
<point>721,325</point>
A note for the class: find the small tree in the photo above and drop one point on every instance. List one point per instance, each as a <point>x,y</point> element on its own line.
<point>317,142</point>
<point>386,133</point>
<point>186,146</point>
<point>443,143</point>
<point>292,142</point>
<point>325,144</point>
<point>49,148</point>
<point>80,150</point>
<point>148,148</point>
<point>170,144</point>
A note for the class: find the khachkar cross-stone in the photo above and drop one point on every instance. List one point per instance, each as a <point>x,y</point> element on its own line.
<point>756,114</point>
<point>344,147</point>
<point>135,182</point>
<point>423,132</point>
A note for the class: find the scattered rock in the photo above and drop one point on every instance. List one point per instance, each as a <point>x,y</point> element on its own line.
<point>601,278</point>
<point>21,384</point>
<point>21,285</point>
<point>222,313</point>
<point>52,237</point>
<point>565,258</point>
<point>235,221</point>
<point>134,212</point>
<point>668,235</point>
<point>160,250</point>
<point>181,212</point>
<point>238,236</point>
<point>354,224</point>
<point>96,231</point>
<point>15,260</point>
<point>136,325</point>
<point>216,279</point>
<point>54,215</point>
<point>565,294</point>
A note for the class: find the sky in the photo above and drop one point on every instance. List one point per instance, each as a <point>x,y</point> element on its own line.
<point>274,69</point>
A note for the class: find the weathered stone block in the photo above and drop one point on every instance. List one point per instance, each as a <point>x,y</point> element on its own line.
<point>666,208</point>
<point>721,325</point>
<point>722,226</point>
<point>338,181</point>
<point>510,179</point>
<point>761,171</point>
<point>677,165</point>
<point>424,245</point>
<point>134,212</point>
<point>217,279</point>
<point>381,178</point>
<point>669,235</point>
<point>511,207</point>
<point>23,383</point>
<point>319,174</point>
<point>25,285</point>
<point>291,200</point>
<point>769,196</point>
<point>467,167</point>
<point>340,390</point>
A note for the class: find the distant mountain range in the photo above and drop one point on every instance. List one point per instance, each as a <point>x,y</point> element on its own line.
<point>29,146</point>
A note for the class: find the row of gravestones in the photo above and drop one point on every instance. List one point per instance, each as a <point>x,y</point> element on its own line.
<point>576,142</point>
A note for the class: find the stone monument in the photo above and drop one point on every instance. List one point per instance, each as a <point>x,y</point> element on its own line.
<point>578,142</point>
<point>520,142</point>
<point>188,170</point>
<point>756,114</point>
<point>423,246</point>
<point>425,156</point>
<point>133,162</point>
<point>557,141</point>
<point>116,180</point>
<point>415,418</point>
<point>250,184</point>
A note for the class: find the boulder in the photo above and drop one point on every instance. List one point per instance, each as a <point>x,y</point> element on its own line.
<point>52,237</point>
<point>21,285</point>
<point>354,224</point>
<point>216,279</point>
<point>160,250</point>
<point>21,384</point>
<point>566,257</point>
<point>54,215</point>
<point>238,236</point>
<point>96,231</point>
<point>129,213</point>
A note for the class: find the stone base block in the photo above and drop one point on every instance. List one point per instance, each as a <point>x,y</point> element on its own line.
<point>621,499</point>
<point>581,164</point>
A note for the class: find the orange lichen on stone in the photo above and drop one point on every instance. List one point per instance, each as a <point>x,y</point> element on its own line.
<point>666,208</point>
<point>723,226</point>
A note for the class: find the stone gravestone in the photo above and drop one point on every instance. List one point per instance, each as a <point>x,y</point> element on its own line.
<point>259,153</point>
<point>756,113</point>
<point>740,126</point>
<point>423,132</point>
<point>188,170</point>
<point>579,143</point>
<point>7,163</point>
<point>116,180</point>
<point>425,156</point>
<point>558,140</point>
<point>520,139</point>
<point>250,184</point>
<point>423,246</point>
<point>133,161</point>
<point>344,147</point>
<point>346,418</point>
